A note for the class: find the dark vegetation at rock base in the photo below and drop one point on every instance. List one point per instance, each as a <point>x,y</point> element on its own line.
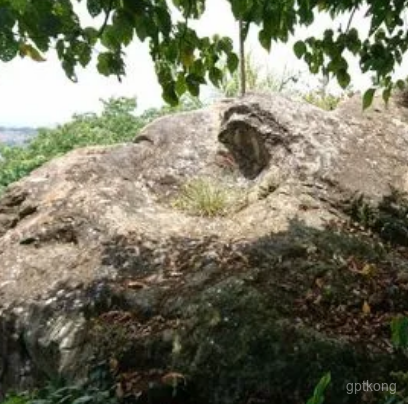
<point>269,337</point>
<point>266,335</point>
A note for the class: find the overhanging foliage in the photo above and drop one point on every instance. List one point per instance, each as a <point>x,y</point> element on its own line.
<point>183,60</point>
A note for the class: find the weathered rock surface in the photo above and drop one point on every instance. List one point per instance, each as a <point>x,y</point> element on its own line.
<point>95,232</point>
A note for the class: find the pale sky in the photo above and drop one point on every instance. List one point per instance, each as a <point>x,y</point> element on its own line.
<point>39,94</point>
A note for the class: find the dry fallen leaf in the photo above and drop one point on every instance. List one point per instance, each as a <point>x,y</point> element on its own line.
<point>318,299</point>
<point>319,282</point>
<point>369,270</point>
<point>113,364</point>
<point>366,309</point>
<point>136,285</point>
<point>173,378</point>
<point>119,391</point>
<point>31,52</point>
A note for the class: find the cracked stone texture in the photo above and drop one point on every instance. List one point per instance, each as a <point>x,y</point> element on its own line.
<point>60,227</point>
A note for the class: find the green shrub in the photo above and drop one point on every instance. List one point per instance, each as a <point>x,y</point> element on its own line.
<point>22,398</point>
<point>99,388</point>
<point>116,124</point>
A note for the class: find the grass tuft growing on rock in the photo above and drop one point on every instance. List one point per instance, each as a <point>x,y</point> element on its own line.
<point>205,197</point>
<point>328,102</point>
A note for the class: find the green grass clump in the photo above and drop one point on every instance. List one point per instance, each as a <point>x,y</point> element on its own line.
<point>327,102</point>
<point>204,197</point>
<point>98,388</point>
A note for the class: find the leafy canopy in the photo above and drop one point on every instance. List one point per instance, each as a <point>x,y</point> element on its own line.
<point>183,60</point>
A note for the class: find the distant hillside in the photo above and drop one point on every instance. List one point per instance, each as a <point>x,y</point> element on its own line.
<point>13,136</point>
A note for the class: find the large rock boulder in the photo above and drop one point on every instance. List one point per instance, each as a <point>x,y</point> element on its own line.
<point>252,305</point>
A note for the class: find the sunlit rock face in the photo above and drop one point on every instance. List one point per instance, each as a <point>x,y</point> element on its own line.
<point>94,237</point>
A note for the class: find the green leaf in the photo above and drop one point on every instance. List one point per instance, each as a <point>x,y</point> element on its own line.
<point>386,94</point>
<point>110,37</point>
<point>90,35</point>
<point>103,65</point>
<point>141,27</point>
<point>400,84</point>
<point>193,84</point>
<point>240,7</point>
<point>83,52</point>
<point>68,64</point>
<point>187,56</point>
<point>225,45</point>
<point>40,401</point>
<point>9,47</point>
<point>399,332</point>
<point>163,20</point>
<point>123,24</point>
<point>181,86</point>
<point>110,63</point>
<point>7,18</point>
<point>215,76</point>
<point>94,7</point>
<point>83,400</point>
<point>232,62</point>
<point>318,393</point>
<point>265,38</point>
<point>299,48</point>
<point>19,5</point>
<point>343,78</point>
<point>169,94</point>
<point>368,98</point>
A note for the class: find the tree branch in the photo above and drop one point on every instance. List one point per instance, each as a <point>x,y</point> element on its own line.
<point>105,22</point>
<point>351,18</point>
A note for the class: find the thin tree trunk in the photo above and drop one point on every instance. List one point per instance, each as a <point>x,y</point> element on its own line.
<point>242,75</point>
